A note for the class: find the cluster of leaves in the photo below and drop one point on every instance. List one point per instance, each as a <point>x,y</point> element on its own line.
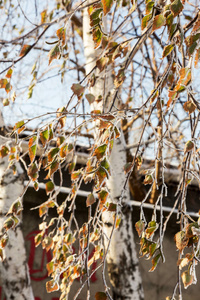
<point>180,53</point>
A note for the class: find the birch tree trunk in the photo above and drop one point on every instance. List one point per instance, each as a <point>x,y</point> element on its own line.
<point>14,271</point>
<point>122,261</point>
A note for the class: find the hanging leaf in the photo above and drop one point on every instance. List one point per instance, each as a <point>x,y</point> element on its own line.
<point>155,261</point>
<point>139,226</point>
<point>176,7</point>
<point>36,186</point>
<point>102,195</point>
<point>18,125</point>
<point>167,50</point>
<point>127,167</point>
<point>52,153</point>
<point>9,73</point>
<point>149,7</point>
<point>53,168</point>
<point>32,152</point>
<point>145,21</point>
<point>44,137</point>
<point>187,279</point>
<point>1,254</point>
<point>100,151</point>
<point>3,83</point>
<point>97,36</point>
<point>107,4</point>
<point>77,88</point>
<point>100,296</point>
<point>52,286</point>
<point>152,227</point>
<point>15,208</point>
<point>101,63</point>
<point>4,241</point>
<point>33,171</point>
<point>158,22</point>
<point>49,187</point>
<point>148,179</point>
<point>112,207</point>
<point>61,34</point>
<point>90,200</point>
<point>25,49</point>
<point>189,107</point>
<point>54,53</point>
<point>181,240</point>
<point>188,146</point>
<point>43,15</point>
<point>32,141</point>
<point>9,223</point>
<point>4,151</point>
<point>197,58</point>
<point>90,98</point>
<point>47,243</point>
<point>76,175</point>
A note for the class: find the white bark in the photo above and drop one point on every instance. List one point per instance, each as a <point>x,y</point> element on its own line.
<point>122,259</point>
<point>13,270</point>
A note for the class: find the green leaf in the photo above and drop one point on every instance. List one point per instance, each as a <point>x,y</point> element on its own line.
<point>187,279</point>
<point>158,22</point>
<point>148,179</point>
<point>9,223</point>
<point>54,53</point>
<point>100,151</point>
<point>155,261</point>
<point>149,7</point>
<point>44,137</point>
<point>19,124</point>
<point>15,208</point>
<point>4,241</point>
<point>4,151</point>
<point>188,146</point>
<point>32,152</point>
<point>139,226</point>
<point>97,36</point>
<point>176,7</point>
<point>145,21</point>
<point>107,4</point>
<point>49,187</point>
<point>167,50</point>
<point>52,153</point>
<point>33,171</point>
<point>112,207</point>
<point>102,195</point>
<point>152,226</point>
<point>25,50</point>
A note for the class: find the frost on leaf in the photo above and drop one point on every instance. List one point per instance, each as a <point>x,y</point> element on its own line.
<point>139,226</point>
<point>52,286</point>
<point>54,53</point>
<point>187,279</point>
<point>181,240</point>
